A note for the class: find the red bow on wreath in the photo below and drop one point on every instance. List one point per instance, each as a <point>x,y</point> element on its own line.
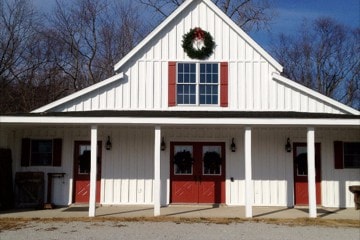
<point>199,34</point>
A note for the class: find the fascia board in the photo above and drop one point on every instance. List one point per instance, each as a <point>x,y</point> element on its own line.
<point>276,122</point>
<point>79,93</point>
<point>314,94</point>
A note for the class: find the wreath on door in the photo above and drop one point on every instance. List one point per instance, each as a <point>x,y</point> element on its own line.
<point>183,161</point>
<point>198,44</point>
<point>212,161</point>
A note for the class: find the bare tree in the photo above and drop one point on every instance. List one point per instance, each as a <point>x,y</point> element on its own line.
<point>323,56</point>
<point>20,55</point>
<point>90,36</point>
<point>250,15</point>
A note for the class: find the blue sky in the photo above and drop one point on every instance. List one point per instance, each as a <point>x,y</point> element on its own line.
<point>290,14</point>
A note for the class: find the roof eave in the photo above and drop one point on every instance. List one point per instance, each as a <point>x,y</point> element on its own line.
<point>78,94</point>
<point>315,94</point>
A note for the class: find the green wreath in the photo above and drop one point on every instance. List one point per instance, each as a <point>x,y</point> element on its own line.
<point>198,34</point>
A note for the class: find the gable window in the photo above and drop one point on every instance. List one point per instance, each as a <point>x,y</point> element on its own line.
<point>198,84</point>
<point>41,152</point>
<point>347,154</point>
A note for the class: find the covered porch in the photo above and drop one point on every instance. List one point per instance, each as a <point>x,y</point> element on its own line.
<point>251,180</point>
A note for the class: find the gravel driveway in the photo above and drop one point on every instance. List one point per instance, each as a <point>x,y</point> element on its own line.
<point>173,230</point>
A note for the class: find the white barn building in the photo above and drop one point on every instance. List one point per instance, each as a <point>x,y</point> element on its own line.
<point>184,130</point>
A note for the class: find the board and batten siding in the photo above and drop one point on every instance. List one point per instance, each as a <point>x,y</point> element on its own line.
<point>128,168</point>
<point>145,82</point>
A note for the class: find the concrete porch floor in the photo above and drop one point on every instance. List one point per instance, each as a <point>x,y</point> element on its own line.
<point>184,211</point>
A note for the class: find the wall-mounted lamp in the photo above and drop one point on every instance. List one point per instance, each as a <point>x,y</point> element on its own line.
<point>108,144</point>
<point>288,145</point>
<point>163,145</point>
<point>233,146</point>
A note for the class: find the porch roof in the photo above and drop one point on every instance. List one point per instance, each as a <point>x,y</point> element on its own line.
<point>189,114</point>
<point>184,118</point>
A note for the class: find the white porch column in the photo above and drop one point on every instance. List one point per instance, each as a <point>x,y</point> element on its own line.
<point>248,174</point>
<point>157,183</point>
<point>311,171</point>
<point>93,171</point>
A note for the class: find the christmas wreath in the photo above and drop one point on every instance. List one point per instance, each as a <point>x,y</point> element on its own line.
<point>198,44</point>
<point>212,162</point>
<point>183,161</point>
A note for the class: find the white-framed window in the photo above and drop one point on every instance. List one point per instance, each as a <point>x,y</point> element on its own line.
<point>197,84</point>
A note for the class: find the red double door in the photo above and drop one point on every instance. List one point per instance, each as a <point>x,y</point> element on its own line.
<point>81,189</point>
<point>197,172</point>
<point>301,187</point>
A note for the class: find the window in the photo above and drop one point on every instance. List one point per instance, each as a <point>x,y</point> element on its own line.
<point>351,154</point>
<point>41,152</point>
<point>197,83</point>
<point>347,154</point>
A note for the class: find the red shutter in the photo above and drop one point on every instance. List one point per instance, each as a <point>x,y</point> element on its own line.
<point>339,154</point>
<point>172,84</point>
<point>57,152</point>
<point>224,84</point>
<point>25,152</point>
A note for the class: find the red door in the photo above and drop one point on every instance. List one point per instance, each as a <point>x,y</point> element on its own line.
<point>197,172</point>
<point>301,176</point>
<point>81,191</point>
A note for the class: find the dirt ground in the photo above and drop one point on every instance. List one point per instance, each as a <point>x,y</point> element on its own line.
<point>181,228</point>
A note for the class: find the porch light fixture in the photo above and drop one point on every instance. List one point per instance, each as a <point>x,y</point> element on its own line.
<point>288,145</point>
<point>233,146</point>
<point>163,145</point>
<point>108,144</point>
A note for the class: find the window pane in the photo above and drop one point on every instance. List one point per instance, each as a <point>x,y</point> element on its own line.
<point>202,68</point>
<point>186,68</point>
<point>192,99</point>
<point>180,89</point>
<point>193,78</point>
<point>180,78</point>
<point>183,160</point>
<point>41,152</point>
<point>180,99</point>
<point>215,68</point>
<point>193,67</point>
<point>214,100</point>
<point>180,67</point>
<point>352,154</point>
<point>202,78</point>
<point>215,90</point>
<point>193,89</point>
<point>202,99</point>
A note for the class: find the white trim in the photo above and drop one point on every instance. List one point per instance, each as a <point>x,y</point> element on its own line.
<point>157,174</point>
<point>93,171</point>
<point>311,171</point>
<point>79,93</point>
<point>314,94</point>
<point>220,13</point>
<point>248,174</point>
<point>179,121</point>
